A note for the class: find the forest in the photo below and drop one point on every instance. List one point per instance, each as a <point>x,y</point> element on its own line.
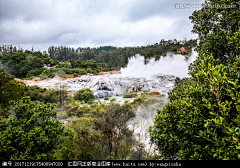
<point>200,120</point>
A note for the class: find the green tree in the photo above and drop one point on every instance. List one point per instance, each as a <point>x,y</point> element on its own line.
<point>112,125</point>
<point>36,62</point>
<point>20,64</point>
<point>202,119</point>
<point>9,90</point>
<point>86,142</point>
<point>214,26</point>
<point>32,133</point>
<point>85,94</point>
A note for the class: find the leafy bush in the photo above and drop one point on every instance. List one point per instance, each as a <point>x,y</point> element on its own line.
<point>202,120</point>
<point>113,99</point>
<point>50,72</point>
<point>33,139</point>
<point>106,98</point>
<point>75,74</point>
<point>144,95</point>
<point>64,65</point>
<point>41,94</point>
<point>128,96</point>
<point>20,63</point>
<point>35,72</point>
<point>85,94</point>
<point>95,103</point>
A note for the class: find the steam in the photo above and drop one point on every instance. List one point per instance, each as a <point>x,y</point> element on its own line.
<point>144,119</point>
<point>171,64</point>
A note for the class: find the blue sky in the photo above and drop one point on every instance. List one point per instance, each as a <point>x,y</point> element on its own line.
<point>93,23</point>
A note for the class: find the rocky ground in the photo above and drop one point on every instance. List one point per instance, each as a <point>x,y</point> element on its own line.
<point>109,84</point>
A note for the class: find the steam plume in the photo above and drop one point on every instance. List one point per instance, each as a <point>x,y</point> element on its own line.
<point>175,64</point>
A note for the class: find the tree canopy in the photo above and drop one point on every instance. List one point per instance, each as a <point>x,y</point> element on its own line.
<point>216,23</point>
<point>9,90</point>
<point>32,133</point>
<point>202,119</point>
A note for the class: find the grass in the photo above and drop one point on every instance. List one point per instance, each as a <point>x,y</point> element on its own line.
<point>106,98</point>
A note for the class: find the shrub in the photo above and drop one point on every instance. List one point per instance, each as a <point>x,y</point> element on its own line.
<point>106,98</point>
<point>85,94</point>
<point>128,96</point>
<point>60,73</point>
<point>202,119</point>
<point>113,99</point>
<point>75,74</point>
<point>144,95</point>
<point>64,65</point>
<point>50,72</point>
<point>90,101</point>
<point>35,72</point>
<point>154,93</point>
<point>89,70</point>
<point>69,71</point>
<point>95,103</point>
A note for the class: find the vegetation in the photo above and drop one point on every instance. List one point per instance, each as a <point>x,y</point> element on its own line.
<point>128,96</point>
<point>24,64</point>
<point>154,93</point>
<point>9,90</point>
<point>75,74</point>
<point>117,57</point>
<point>144,95</point>
<point>106,98</point>
<point>216,28</point>
<point>85,94</point>
<point>200,122</point>
<point>32,133</point>
<point>202,119</point>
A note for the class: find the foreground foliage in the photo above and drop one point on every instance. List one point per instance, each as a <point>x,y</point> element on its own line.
<point>32,133</point>
<point>202,119</point>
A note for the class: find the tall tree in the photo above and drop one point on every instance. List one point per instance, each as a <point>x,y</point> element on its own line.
<point>202,119</point>
<point>215,24</point>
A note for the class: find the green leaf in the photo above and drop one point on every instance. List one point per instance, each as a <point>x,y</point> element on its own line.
<point>215,73</point>
<point>238,108</point>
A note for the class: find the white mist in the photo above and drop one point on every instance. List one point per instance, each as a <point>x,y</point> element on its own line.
<point>174,64</point>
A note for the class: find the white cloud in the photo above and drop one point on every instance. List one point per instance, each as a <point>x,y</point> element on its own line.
<point>93,23</point>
